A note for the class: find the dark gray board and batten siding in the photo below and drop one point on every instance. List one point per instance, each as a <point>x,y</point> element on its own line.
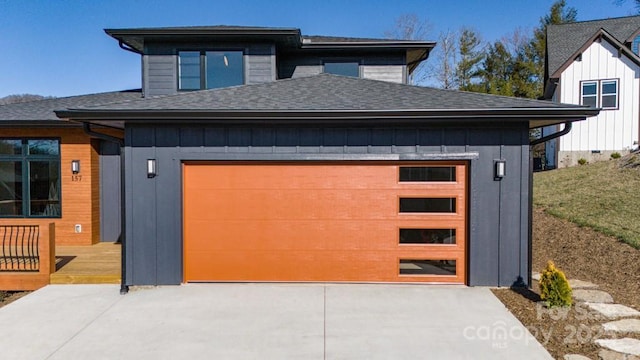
<point>160,65</point>
<point>110,215</point>
<point>498,210</point>
<point>374,66</point>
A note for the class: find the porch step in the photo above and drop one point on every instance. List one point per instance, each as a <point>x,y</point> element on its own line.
<point>84,279</point>
<point>94,264</point>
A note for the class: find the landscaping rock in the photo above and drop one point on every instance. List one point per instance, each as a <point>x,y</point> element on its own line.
<point>593,296</point>
<point>605,354</point>
<point>613,311</point>
<point>575,357</point>
<point>580,284</point>
<point>626,346</point>
<point>624,325</point>
<point>535,276</point>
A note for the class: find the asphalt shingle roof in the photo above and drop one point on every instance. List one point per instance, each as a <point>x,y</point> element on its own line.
<point>322,38</point>
<point>565,39</point>
<point>325,92</point>
<point>43,110</point>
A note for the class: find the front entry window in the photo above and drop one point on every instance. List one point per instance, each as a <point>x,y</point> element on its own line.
<point>30,178</point>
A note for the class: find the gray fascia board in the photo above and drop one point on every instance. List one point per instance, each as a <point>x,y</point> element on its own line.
<point>369,45</point>
<point>127,36</point>
<point>202,31</point>
<point>500,113</point>
<point>38,123</point>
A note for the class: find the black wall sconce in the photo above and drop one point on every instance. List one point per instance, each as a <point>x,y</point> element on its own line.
<point>151,168</point>
<point>499,169</point>
<point>75,166</point>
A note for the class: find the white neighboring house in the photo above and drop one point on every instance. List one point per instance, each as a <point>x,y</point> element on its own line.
<point>594,63</point>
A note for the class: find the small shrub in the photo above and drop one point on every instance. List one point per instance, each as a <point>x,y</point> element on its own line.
<point>582,161</point>
<point>554,287</point>
<point>616,155</point>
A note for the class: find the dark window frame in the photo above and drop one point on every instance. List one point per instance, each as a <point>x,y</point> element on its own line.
<point>599,92</point>
<point>203,66</point>
<point>26,159</point>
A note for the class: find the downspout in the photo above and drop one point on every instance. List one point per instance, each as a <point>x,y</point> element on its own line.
<point>124,288</point>
<point>567,128</point>
<point>127,48</point>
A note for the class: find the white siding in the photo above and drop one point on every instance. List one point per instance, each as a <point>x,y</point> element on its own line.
<point>612,129</point>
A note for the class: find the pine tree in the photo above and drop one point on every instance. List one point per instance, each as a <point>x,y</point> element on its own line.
<point>471,56</point>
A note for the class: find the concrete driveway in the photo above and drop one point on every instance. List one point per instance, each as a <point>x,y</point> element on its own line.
<point>263,321</point>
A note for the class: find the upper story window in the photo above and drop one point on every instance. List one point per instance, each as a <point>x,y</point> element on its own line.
<point>635,45</point>
<point>600,93</point>
<point>342,68</point>
<point>209,69</point>
<point>30,178</point>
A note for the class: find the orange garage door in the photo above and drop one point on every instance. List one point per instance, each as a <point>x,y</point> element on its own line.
<point>364,222</point>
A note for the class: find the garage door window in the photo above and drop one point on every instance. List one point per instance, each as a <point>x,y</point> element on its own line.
<point>428,173</point>
<point>427,205</point>
<point>428,236</point>
<point>427,267</point>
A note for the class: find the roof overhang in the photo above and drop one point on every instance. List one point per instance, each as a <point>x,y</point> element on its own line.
<point>136,38</point>
<point>415,51</point>
<point>536,117</point>
<point>38,124</point>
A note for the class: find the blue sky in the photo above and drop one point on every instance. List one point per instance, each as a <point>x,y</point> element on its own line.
<point>58,48</point>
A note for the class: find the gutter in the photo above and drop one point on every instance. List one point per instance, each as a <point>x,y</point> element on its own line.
<point>347,114</point>
<point>126,47</point>
<point>567,128</point>
<point>124,288</point>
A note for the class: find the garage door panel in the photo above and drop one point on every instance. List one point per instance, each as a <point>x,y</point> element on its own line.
<point>320,222</point>
<point>293,204</point>
<point>353,265</point>
<point>274,178</point>
<point>283,234</point>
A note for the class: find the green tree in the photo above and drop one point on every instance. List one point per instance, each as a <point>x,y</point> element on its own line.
<point>496,71</point>
<point>534,53</point>
<point>471,55</point>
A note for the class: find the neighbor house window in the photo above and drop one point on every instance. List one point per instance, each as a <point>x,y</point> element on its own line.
<point>600,93</point>
<point>209,69</point>
<point>590,93</point>
<point>342,68</point>
<point>30,178</point>
<point>609,91</point>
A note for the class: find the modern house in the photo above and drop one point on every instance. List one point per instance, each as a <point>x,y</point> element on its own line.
<point>595,63</point>
<point>261,154</point>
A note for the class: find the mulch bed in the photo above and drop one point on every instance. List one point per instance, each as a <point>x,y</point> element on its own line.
<point>7,297</point>
<point>582,254</point>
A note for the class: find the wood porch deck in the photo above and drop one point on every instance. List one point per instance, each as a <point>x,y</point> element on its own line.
<point>95,264</point>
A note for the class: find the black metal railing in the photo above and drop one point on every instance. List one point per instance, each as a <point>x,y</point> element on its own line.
<point>19,248</point>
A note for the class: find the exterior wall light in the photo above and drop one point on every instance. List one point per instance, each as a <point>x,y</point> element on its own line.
<point>499,169</point>
<point>75,166</point>
<point>151,168</point>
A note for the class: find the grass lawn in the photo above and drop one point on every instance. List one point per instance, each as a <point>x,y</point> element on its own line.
<point>604,196</point>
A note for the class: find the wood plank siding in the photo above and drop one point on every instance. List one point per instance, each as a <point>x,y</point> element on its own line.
<point>80,196</point>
